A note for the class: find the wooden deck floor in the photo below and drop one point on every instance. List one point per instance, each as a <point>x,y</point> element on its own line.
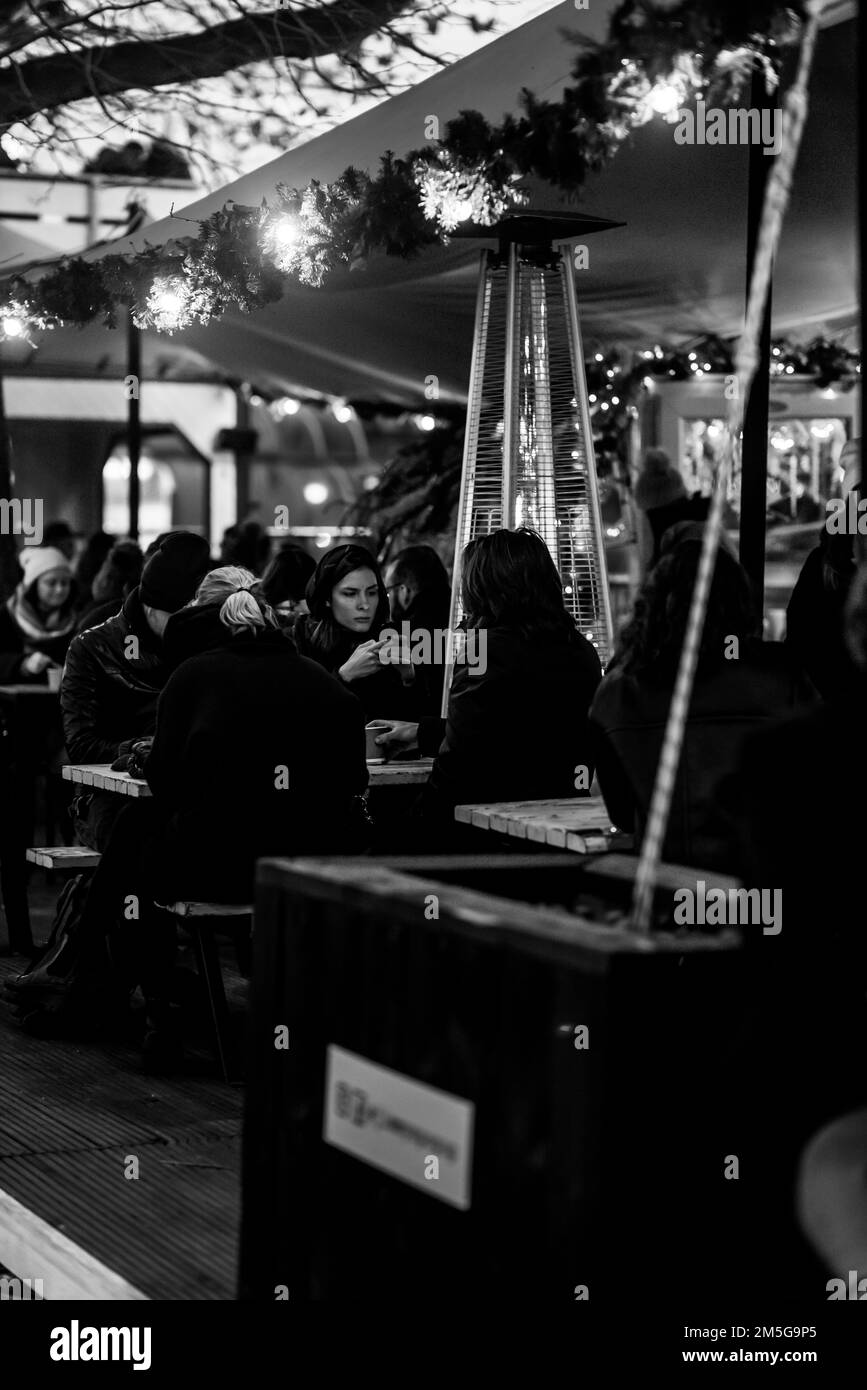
<point>72,1116</point>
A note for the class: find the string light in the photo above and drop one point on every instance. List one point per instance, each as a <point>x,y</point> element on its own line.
<point>667,96</point>
<point>281,238</point>
<point>16,323</point>
<point>171,304</point>
<point>315,493</point>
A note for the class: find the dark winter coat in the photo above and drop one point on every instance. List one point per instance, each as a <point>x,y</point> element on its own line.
<point>814,619</point>
<point>516,732</point>
<point>382,695</point>
<point>109,691</point>
<point>233,725</point>
<point>629,715</point>
<point>15,645</point>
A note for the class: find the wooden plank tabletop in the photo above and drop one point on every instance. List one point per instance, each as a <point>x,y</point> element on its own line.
<point>101,776</point>
<point>579,823</point>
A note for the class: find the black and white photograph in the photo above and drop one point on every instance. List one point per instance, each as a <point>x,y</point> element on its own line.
<point>433,657</point>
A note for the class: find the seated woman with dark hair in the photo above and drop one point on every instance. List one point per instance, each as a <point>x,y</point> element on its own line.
<point>740,683</point>
<point>517,726</point>
<point>348,610</point>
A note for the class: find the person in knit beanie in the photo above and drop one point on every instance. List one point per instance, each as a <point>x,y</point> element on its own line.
<point>37,622</point>
<point>171,576</point>
<point>661,500</point>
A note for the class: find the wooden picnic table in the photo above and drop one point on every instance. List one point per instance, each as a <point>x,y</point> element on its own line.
<point>579,823</point>
<point>100,775</point>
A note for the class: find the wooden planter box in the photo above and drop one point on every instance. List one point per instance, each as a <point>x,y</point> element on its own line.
<point>584,1160</point>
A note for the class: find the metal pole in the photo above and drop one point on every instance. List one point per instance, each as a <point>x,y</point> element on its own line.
<point>510,388</point>
<point>133,432</point>
<point>471,440</point>
<point>580,382</point>
<point>754,450</point>
<point>242,458</point>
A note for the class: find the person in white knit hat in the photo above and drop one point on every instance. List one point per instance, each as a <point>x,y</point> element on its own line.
<point>37,623</point>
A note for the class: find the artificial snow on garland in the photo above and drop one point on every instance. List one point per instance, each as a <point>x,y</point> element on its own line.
<point>657,57</point>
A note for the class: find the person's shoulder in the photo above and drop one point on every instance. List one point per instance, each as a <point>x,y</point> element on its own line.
<point>94,640</point>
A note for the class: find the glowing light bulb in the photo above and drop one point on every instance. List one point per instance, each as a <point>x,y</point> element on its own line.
<point>342,412</point>
<point>13,327</point>
<point>286,232</point>
<point>315,494</point>
<point>425,422</point>
<point>665,97</point>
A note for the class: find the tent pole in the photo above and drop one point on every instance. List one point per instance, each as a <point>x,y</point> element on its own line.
<point>9,570</point>
<point>133,432</point>
<point>754,449</point>
<point>242,454</point>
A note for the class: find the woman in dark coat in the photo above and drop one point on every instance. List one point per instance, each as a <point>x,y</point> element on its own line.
<point>348,610</point>
<point>37,623</point>
<point>517,723</point>
<point>741,683</point>
<point>228,720</point>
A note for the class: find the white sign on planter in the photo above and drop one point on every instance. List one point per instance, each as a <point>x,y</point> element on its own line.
<point>416,1133</point>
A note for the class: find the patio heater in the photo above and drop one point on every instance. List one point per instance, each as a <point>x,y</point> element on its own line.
<point>528,448</point>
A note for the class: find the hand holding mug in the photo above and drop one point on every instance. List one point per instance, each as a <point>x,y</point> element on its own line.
<point>398,735</point>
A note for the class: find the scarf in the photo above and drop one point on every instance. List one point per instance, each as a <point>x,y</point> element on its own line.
<point>34,627</point>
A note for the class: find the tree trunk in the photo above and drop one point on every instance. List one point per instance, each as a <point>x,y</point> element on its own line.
<point>40,84</point>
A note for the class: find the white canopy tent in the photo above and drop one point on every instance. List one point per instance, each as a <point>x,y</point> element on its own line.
<point>676,270</point>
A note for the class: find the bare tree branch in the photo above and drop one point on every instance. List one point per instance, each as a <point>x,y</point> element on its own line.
<point>42,83</point>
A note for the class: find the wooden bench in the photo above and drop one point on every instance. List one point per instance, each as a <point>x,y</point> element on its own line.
<point>63,857</point>
<point>201,919</point>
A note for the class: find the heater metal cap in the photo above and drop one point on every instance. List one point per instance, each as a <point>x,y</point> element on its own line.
<point>538,228</point>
